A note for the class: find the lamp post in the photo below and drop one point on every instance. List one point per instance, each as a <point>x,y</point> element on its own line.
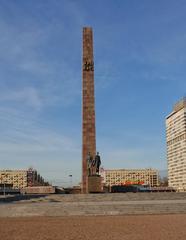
<point>70,176</point>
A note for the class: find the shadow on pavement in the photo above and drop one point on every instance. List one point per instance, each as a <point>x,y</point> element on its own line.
<point>15,198</point>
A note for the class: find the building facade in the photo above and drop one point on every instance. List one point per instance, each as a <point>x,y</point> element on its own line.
<point>19,179</point>
<point>176,146</point>
<point>130,176</point>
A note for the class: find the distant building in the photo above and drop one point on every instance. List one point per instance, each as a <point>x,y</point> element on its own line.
<point>130,176</point>
<point>19,179</point>
<point>176,146</point>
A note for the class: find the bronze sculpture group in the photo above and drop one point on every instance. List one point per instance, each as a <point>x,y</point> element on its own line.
<point>93,165</point>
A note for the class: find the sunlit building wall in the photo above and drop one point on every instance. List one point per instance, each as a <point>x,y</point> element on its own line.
<point>20,178</point>
<point>176,146</point>
<point>131,176</point>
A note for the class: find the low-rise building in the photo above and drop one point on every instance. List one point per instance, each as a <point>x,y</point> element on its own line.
<point>130,176</point>
<point>19,179</point>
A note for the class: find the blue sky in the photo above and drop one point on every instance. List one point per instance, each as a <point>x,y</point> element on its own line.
<point>140,58</point>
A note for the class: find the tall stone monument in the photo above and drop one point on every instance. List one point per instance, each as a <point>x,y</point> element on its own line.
<point>88,109</point>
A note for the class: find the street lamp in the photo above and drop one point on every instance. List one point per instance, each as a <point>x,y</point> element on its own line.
<point>70,176</point>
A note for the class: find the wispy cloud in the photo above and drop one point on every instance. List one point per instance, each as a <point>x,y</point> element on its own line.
<point>37,77</point>
<point>27,96</point>
<point>26,133</point>
<point>26,141</point>
<point>139,71</point>
<point>24,52</point>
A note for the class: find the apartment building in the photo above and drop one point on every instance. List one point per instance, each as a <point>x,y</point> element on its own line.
<point>19,179</point>
<point>176,146</point>
<point>130,176</point>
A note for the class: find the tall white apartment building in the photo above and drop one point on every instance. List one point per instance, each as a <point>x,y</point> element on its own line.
<point>176,146</point>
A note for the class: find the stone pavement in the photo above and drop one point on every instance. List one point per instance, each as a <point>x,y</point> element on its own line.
<point>96,204</point>
<point>130,227</point>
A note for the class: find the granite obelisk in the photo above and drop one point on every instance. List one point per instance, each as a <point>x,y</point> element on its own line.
<point>88,105</point>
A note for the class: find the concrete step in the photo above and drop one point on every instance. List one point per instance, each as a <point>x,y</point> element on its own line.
<point>121,197</point>
<point>93,208</point>
<point>96,204</point>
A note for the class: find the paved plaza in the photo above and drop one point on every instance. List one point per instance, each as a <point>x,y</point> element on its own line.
<point>134,216</point>
<point>93,204</point>
<point>141,227</point>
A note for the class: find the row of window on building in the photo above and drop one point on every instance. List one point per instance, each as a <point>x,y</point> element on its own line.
<point>130,176</point>
<point>18,179</point>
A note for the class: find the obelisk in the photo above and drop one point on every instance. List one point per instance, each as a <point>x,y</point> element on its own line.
<point>88,105</point>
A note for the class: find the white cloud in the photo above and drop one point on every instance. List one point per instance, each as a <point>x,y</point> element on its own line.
<point>27,96</point>
<point>26,141</point>
<point>34,79</point>
<point>24,132</point>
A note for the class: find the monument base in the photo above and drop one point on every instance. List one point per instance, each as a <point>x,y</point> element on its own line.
<point>94,184</point>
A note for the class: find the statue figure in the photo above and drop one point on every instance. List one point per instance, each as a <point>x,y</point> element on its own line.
<point>97,162</point>
<point>89,164</point>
